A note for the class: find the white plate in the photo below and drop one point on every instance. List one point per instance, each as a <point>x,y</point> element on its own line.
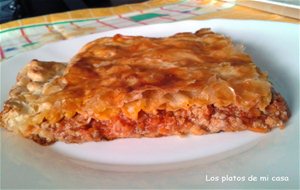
<point>274,48</point>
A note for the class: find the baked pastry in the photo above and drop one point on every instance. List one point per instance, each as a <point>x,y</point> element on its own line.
<point>134,86</point>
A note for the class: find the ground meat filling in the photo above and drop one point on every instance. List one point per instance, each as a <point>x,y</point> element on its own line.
<point>196,120</point>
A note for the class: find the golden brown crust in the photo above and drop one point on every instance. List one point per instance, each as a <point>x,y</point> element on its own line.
<point>133,73</point>
<point>125,86</point>
<point>34,81</point>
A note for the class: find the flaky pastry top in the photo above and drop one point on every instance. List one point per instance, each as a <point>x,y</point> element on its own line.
<point>132,73</point>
